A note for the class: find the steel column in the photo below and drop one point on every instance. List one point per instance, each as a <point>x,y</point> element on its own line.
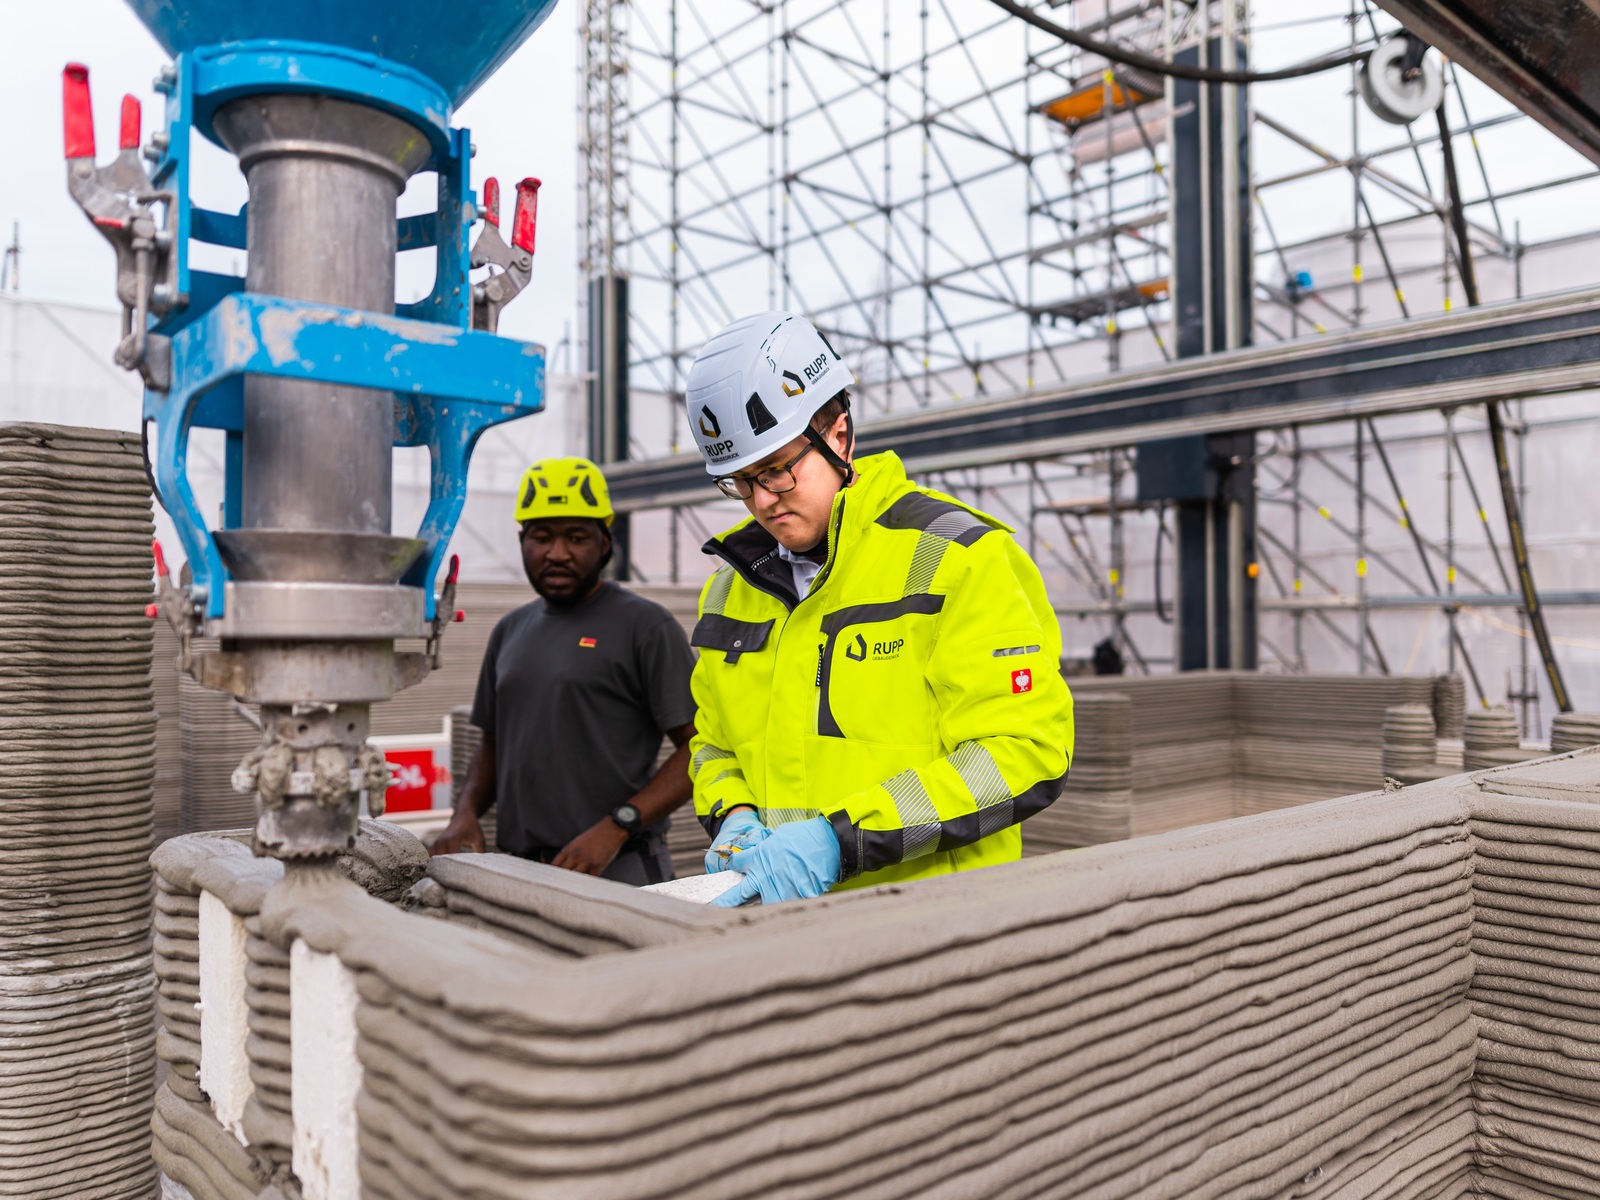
<point>1210,479</point>
<point>608,391</point>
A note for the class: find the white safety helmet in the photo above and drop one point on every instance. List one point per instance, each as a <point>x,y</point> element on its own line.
<point>755,386</point>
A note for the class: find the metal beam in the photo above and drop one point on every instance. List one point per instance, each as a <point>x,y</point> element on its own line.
<point>1344,603</point>
<point>1495,352</point>
<point>1542,55</point>
<point>1449,601</point>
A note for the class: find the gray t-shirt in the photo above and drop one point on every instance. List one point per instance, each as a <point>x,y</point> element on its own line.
<point>578,701</point>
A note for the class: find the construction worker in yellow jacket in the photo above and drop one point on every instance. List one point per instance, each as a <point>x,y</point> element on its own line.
<point>879,694</point>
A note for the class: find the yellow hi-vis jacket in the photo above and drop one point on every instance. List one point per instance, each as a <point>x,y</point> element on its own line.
<point>914,697</point>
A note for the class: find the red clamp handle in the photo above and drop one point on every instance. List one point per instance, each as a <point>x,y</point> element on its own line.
<point>527,218</point>
<point>161,559</point>
<point>79,114</point>
<point>129,139</point>
<point>455,568</point>
<point>491,201</point>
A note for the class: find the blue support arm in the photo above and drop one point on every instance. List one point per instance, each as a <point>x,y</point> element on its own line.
<point>449,384</point>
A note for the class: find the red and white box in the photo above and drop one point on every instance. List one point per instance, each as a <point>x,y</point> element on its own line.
<point>419,771</point>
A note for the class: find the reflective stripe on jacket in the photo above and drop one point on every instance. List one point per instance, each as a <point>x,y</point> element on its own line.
<point>914,697</point>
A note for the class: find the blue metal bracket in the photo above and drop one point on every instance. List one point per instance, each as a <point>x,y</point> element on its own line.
<point>449,386</point>
<point>219,229</point>
<point>231,71</point>
<point>450,302</point>
<point>203,80</point>
<point>450,382</point>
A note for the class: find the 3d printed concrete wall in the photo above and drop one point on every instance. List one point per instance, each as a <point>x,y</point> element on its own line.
<point>1387,995</point>
<point>238,1139</point>
<point>1203,746</point>
<point>77,742</point>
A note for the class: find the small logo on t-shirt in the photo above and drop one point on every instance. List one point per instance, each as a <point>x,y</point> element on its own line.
<point>1021,681</point>
<point>586,643</point>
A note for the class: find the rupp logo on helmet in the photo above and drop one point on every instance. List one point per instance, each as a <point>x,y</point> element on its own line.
<point>755,386</point>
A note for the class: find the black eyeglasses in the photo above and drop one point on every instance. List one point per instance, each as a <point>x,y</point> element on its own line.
<point>777,480</point>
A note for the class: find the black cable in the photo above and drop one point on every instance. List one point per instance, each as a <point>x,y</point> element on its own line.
<point>1161,533</point>
<point>149,474</point>
<point>1497,437</point>
<point>1160,66</point>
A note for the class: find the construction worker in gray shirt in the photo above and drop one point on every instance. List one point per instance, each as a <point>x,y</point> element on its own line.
<point>575,694</point>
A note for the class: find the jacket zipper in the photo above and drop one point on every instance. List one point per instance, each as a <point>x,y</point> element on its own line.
<point>746,573</point>
<point>816,585</point>
<point>749,576</point>
<point>833,545</point>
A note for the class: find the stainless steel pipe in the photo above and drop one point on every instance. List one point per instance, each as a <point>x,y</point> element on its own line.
<point>324,176</point>
<point>317,477</point>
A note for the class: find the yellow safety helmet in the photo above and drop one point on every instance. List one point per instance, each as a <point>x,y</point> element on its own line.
<point>563,487</point>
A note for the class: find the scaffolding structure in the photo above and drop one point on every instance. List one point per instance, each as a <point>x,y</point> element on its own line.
<point>970,208</point>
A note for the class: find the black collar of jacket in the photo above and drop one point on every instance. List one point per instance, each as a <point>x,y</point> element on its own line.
<point>753,553</point>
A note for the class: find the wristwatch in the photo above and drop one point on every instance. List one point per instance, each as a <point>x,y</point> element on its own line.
<point>628,817</point>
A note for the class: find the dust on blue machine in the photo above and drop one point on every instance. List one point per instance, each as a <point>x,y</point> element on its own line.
<point>306,363</point>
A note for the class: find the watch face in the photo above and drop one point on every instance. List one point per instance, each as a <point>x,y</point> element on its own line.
<point>628,815</point>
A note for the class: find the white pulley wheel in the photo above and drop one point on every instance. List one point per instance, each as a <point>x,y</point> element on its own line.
<point>1391,96</point>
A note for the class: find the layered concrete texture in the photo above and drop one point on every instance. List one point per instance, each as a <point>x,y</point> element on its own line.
<point>224,1125</point>
<point>1383,995</point>
<point>77,763</point>
<point>1161,752</point>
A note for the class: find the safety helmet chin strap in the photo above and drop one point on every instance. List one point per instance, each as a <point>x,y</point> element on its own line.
<point>829,454</point>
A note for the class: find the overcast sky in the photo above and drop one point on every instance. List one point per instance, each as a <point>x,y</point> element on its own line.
<point>524,122</point>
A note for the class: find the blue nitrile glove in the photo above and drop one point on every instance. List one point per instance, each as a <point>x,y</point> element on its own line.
<point>741,831</point>
<point>798,861</point>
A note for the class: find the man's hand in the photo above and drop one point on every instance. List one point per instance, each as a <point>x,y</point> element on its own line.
<point>592,850</point>
<point>800,861</point>
<point>464,834</point>
<point>742,830</point>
